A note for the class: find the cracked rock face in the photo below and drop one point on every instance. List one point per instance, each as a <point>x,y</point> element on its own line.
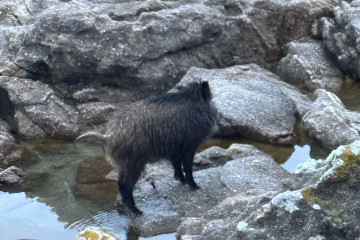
<point>82,45</point>
<point>324,209</point>
<point>148,44</point>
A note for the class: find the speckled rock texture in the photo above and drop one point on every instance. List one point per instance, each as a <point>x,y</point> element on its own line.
<point>66,66</point>
<point>325,207</point>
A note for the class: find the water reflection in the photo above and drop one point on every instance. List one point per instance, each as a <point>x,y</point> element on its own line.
<point>26,218</point>
<point>350,95</point>
<point>73,183</point>
<point>288,156</point>
<point>300,154</point>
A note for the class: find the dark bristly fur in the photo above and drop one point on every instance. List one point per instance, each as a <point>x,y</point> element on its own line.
<point>169,126</point>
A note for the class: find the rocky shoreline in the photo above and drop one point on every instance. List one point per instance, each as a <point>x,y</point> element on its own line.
<point>66,66</point>
<point>317,202</point>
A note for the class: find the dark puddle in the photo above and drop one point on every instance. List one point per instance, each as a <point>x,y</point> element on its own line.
<point>350,95</point>
<point>28,218</point>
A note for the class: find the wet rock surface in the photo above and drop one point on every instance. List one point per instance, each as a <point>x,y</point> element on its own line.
<point>253,102</point>
<point>247,176</point>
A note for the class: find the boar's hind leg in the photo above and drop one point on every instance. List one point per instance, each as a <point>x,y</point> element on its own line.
<point>126,183</point>
<point>178,175</point>
<point>127,197</point>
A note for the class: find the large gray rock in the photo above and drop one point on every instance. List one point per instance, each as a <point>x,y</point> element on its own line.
<point>96,112</point>
<point>307,66</point>
<point>253,102</point>
<point>329,122</point>
<point>101,53</point>
<point>246,177</point>
<point>39,111</point>
<point>10,42</point>
<point>340,36</point>
<point>327,208</point>
<point>15,19</point>
<point>147,44</point>
<point>221,221</point>
<point>264,27</point>
<point>83,45</point>
<point>9,150</point>
<point>322,208</point>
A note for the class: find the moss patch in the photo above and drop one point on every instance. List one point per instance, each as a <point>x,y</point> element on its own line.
<point>350,160</point>
<point>336,214</point>
<point>309,196</point>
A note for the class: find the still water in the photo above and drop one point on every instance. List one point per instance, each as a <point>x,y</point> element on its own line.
<point>65,191</point>
<point>23,217</point>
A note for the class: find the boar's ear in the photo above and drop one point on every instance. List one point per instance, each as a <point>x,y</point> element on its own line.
<point>205,89</point>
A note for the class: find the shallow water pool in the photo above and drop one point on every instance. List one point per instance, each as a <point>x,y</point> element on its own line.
<point>66,191</point>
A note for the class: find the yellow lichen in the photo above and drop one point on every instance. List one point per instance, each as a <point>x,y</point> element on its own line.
<point>337,218</point>
<point>308,195</point>
<point>350,160</point>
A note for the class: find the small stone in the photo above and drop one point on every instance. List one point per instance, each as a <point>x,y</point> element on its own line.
<point>11,175</point>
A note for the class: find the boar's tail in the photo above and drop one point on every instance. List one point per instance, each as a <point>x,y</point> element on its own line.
<point>91,137</point>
